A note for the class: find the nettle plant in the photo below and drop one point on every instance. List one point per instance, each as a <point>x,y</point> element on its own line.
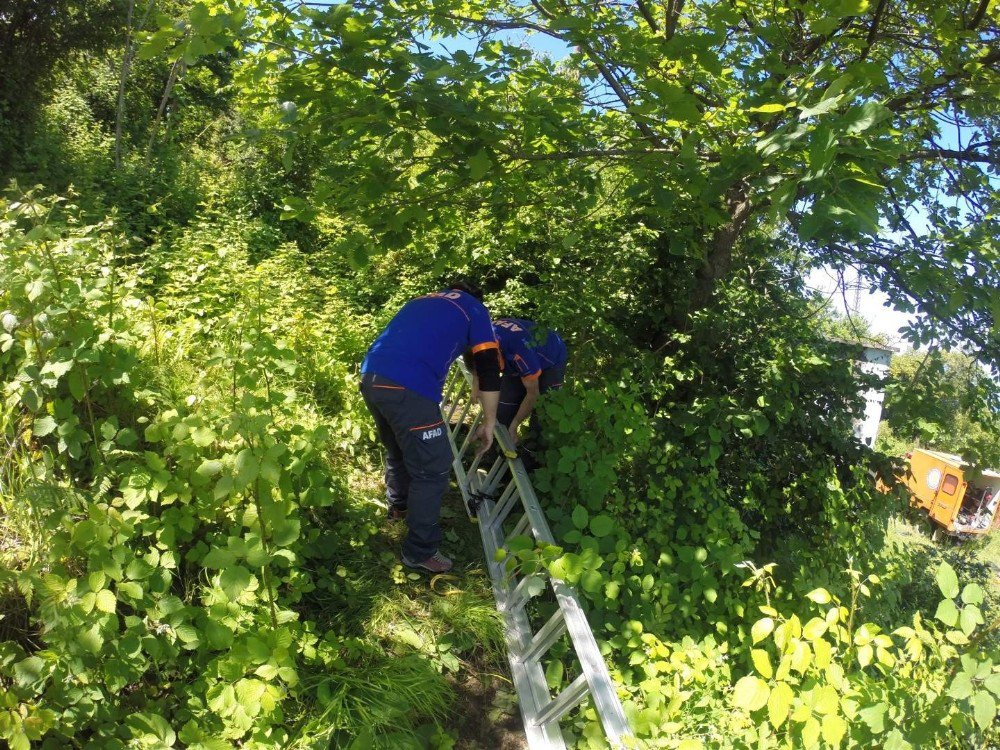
<point>834,682</point>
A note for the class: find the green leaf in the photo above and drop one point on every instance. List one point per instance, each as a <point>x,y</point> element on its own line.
<point>762,663</point>
<point>896,741</point>
<point>947,580</point>
<point>769,108</point>
<point>580,517</point>
<point>234,581</point>
<point>29,672</point>
<point>947,612</point>
<point>208,468</point>
<point>106,601</point>
<point>820,596</point>
<point>874,717</point>
<point>762,629</point>
<point>480,165</point>
<point>992,684</point>
<point>202,436</point>
<point>969,619</point>
<point>750,693</point>
<point>44,426</point>
<point>76,383</point>
<point>984,709</point>
<point>779,703</point>
<point>961,687</point>
<point>601,526</point>
<point>91,639</point>
<point>285,532</point>
<point>247,467</point>
<point>834,729</point>
<point>972,594</point>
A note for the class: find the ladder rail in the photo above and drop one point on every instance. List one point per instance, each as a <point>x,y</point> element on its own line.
<point>540,711</point>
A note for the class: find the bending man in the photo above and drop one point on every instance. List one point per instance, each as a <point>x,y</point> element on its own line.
<point>534,362</point>
<point>403,375</point>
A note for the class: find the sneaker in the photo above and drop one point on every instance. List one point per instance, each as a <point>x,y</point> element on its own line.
<point>397,514</point>
<point>436,563</point>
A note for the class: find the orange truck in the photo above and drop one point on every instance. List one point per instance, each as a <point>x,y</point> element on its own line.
<point>938,483</point>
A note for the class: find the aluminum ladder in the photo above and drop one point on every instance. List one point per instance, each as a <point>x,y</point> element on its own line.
<point>494,497</point>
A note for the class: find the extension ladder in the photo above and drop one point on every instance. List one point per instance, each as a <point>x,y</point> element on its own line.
<point>502,496</point>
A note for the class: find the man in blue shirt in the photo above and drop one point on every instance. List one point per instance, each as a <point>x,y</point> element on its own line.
<point>534,362</point>
<point>402,377</point>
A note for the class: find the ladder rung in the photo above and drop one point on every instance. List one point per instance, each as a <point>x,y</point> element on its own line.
<point>504,505</point>
<point>563,703</point>
<point>546,637</point>
<point>517,596</point>
<point>523,525</point>
<point>465,412</point>
<point>469,436</point>
<point>495,473</point>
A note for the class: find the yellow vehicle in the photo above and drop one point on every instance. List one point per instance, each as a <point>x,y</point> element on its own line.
<point>938,484</point>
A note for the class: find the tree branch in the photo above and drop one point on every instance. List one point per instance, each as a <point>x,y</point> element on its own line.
<point>873,29</point>
<point>644,11</point>
<point>967,155</point>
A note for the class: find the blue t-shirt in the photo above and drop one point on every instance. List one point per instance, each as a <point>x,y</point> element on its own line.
<point>429,333</point>
<point>526,352</point>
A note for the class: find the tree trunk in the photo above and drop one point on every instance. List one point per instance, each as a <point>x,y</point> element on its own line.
<point>718,259</point>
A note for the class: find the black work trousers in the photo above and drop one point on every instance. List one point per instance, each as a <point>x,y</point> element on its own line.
<point>418,459</point>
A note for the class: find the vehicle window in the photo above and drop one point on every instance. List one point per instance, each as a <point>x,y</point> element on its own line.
<point>949,484</point>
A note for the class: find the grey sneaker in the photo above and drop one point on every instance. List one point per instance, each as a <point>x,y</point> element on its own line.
<point>436,563</point>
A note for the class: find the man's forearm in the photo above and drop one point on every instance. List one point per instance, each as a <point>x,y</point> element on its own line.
<point>490,401</point>
<point>523,411</point>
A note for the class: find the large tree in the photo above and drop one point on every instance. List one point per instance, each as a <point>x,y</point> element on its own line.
<point>860,133</point>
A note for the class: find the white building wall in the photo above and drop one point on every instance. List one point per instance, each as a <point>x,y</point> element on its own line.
<point>875,362</point>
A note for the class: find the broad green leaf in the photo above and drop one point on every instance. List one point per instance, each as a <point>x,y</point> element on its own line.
<point>44,426</point>
<point>750,693</point>
<point>762,663</point>
<point>285,532</point>
<point>826,699</point>
<point>480,165</point>
<point>208,468</point>
<point>874,717</point>
<point>972,594</point>
<point>834,729</point>
<point>947,612</point>
<point>762,629</point>
<point>30,671</point>
<point>947,580</point>
<point>580,517</point>
<point>961,687</point>
<point>234,581</point>
<point>814,629</point>
<point>992,684</point>
<point>820,596</point>
<point>969,618</point>
<point>896,741</point>
<point>106,601</point>
<point>202,436</point>
<point>779,703</point>
<point>984,709</point>
<point>601,526</point>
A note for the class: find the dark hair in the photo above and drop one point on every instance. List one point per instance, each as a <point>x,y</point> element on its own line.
<point>468,287</point>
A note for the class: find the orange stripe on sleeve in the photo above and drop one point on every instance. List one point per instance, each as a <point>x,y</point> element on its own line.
<point>487,345</point>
